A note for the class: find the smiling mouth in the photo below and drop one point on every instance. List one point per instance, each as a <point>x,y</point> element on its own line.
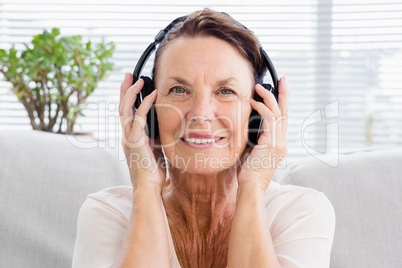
<point>201,141</point>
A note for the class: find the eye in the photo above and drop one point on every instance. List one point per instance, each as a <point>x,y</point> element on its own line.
<point>226,91</point>
<point>178,90</point>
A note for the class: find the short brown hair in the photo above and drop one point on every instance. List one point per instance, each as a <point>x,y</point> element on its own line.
<point>207,22</point>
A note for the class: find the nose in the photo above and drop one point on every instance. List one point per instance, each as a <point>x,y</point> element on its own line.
<point>203,108</point>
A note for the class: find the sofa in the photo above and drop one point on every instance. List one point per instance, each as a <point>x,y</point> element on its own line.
<point>45,177</point>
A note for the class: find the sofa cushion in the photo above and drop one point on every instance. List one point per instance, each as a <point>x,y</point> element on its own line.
<point>366,192</point>
<point>44,179</point>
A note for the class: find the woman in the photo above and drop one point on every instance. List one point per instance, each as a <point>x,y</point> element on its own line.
<point>212,203</point>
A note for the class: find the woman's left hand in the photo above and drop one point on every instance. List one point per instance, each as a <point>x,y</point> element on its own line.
<point>261,163</point>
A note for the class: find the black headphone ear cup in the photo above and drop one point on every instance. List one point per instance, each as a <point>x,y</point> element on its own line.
<point>255,121</point>
<point>267,87</point>
<point>145,91</point>
<point>148,86</point>
<point>152,119</point>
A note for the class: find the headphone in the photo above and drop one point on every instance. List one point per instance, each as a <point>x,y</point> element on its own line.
<point>255,120</point>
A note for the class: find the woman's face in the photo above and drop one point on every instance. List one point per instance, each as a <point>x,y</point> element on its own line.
<point>204,88</point>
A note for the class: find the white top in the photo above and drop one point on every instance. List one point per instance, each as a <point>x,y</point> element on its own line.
<point>301,222</point>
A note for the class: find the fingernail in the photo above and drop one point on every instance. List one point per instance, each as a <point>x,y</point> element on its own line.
<point>126,76</point>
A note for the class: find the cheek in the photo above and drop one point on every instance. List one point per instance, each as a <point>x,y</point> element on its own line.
<point>170,122</point>
<point>235,118</point>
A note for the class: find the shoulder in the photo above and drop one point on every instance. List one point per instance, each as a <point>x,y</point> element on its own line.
<point>101,227</point>
<point>301,223</point>
<point>282,197</point>
<point>114,201</point>
<point>288,205</point>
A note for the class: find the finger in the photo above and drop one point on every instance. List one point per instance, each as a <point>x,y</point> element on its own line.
<point>126,106</point>
<point>262,109</point>
<point>267,115</point>
<point>268,98</point>
<point>271,125</point>
<point>283,96</point>
<point>125,85</point>
<point>140,118</point>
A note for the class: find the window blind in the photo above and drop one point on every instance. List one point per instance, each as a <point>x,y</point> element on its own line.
<point>343,61</point>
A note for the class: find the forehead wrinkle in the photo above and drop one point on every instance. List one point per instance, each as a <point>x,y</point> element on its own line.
<point>227,81</point>
<point>179,80</point>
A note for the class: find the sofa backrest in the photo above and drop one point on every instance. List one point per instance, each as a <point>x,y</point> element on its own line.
<point>365,189</point>
<point>44,179</point>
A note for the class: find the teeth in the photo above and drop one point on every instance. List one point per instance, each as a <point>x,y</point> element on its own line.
<point>200,141</point>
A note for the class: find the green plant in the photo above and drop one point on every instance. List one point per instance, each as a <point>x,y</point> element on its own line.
<point>54,76</point>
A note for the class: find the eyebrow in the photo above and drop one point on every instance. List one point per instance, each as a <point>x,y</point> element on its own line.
<point>218,83</point>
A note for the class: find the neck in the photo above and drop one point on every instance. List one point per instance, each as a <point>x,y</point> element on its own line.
<point>205,203</point>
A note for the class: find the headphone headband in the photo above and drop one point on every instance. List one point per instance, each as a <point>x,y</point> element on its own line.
<point>148,51</point>
<point>161,36</point>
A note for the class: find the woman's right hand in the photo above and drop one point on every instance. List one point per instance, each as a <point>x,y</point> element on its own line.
<point>146,164</point>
